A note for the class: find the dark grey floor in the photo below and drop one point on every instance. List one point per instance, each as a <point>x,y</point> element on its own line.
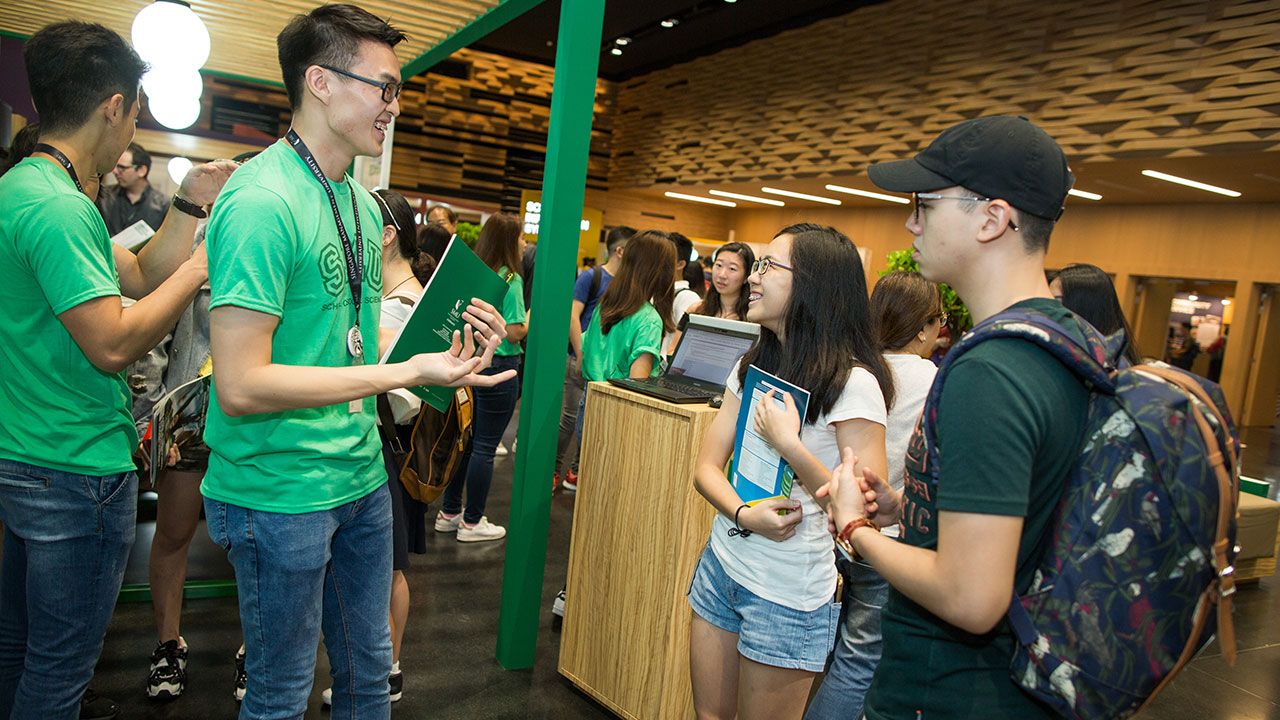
<point>448,657</point>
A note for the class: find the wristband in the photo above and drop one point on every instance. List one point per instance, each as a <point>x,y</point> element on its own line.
<point>853,525</point>
<point>738,530</point>
<point>184,205</point>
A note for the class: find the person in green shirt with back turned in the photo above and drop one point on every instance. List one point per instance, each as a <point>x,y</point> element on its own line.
<point>501,247</point>
<point>68,493</point>
<point>1009,423</point>
<point>295,489</point>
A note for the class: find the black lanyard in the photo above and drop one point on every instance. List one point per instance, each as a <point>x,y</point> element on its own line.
<point>355,261</point>
<point>56,154</point>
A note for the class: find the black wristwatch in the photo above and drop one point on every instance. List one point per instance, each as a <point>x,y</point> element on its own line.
<point>184,205</point>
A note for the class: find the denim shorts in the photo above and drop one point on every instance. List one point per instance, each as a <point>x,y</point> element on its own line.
<point>768,633</point>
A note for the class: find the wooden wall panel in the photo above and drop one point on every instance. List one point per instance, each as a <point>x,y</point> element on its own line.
<point>1139,78</point>
<point>483,137</point>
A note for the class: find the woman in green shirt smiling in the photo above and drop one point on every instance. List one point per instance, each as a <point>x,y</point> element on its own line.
<point>500,246</point>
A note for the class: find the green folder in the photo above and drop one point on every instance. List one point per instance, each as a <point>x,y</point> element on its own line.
<point>460,276</point>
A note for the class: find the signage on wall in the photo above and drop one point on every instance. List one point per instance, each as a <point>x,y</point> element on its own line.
<point>588,229</point>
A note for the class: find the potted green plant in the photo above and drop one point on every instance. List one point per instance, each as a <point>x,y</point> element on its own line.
<point>958,315</point>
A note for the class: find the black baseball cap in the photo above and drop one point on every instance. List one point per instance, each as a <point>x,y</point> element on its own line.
<point>1002,157</point>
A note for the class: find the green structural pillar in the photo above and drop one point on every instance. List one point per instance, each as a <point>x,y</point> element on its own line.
<point>563,188</point>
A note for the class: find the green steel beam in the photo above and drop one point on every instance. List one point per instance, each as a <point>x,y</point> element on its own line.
<point>496,17</point>
<point>564,187</point>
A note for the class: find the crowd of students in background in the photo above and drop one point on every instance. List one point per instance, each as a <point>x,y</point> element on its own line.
<point>925,576</point>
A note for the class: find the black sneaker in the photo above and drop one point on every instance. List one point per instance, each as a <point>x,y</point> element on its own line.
<point>95,707</point>
<point>168,671</point>
<point>395,683</point>
<point>241,677</point>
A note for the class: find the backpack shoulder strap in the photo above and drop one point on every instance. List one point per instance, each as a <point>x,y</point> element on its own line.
<point>1088,361</point>
<point>596,273</point>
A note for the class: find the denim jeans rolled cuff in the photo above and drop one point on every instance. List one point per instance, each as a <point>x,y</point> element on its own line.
<point>493,410</point>
<point>66,543</point>
<point>768,633</point>
<point>298,576</point>
<point>857,651</point>
<point>569,440</point>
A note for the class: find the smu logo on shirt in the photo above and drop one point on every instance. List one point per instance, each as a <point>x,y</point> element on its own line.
<point>917,497</point>
<point>333,272</point>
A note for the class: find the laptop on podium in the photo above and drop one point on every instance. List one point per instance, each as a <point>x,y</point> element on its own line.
<point>708,351</point>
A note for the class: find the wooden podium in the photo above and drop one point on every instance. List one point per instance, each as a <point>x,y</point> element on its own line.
<point>639,527</point>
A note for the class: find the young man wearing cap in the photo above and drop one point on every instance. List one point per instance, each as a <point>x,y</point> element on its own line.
<point>1009,423</point>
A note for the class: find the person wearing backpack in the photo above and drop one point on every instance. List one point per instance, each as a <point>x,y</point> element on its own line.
<point>1009,423</point>
<point>500,245</point>
<point>587,291</point>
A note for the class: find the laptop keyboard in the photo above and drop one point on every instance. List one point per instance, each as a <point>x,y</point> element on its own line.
<point>683,387</point>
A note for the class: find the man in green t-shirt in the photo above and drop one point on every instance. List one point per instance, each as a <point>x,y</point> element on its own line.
<point>68,494</point>
<point>1009,423</point>
<point>296,487</point>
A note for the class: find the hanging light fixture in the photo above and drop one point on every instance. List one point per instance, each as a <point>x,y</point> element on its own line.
<point>169,33</point>
<point>174,41</point>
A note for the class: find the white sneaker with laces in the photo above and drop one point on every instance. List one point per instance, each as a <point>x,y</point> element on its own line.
<point>500,451</point>
<point>482,531</point>
<point>447,524</point>
<point>557,607</point>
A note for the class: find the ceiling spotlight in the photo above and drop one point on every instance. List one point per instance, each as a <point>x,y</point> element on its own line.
<point>699,198</point>
<point>616,51</point>
<point>800,196</point>
<point>624,41</point>
<point>1190,183</point>
<point>1226,302</point>
<point>1193,297</point>
<point>731,1</point>
<point>868,194</point>
<point>1083,194</point>
<point>748,198</point>
<point>669,23</point>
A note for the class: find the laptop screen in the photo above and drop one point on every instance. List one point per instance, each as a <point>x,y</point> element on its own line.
<point>709,354</point>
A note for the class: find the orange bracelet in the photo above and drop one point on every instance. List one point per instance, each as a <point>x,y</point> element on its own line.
<point>853,525</point>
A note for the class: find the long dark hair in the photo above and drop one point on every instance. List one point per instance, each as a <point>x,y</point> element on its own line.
<point>433,240</point>
<point>828,321</point>
<point>646,274</point>
<point>711,305</point>
<point>1088,292</point>
<point>396,213</point>
<point>902,303</point>
<point>499,243</point>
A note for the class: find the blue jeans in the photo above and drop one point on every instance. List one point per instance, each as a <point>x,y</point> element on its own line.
<point>300,574</point>
<point>66,542</point>
<point>857,650</point>
<point>494,408</point>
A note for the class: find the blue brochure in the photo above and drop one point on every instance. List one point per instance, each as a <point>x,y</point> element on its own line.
<point>759,472</point>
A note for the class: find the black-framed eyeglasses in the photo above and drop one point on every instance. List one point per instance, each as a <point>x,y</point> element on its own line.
<point>390,90</point>
<point>761,266</point>
<point>917,197</point>
<point>122,167</point>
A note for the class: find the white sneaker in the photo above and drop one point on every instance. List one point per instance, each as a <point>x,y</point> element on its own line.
<point>447,524</point>
<point>395,686</point>
<point>326,697</point>
<point>500,451</point>
<point>482,531</point>
<point>557,607</point>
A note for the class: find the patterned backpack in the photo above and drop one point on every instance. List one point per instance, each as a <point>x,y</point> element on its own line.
<point>1143,538</point>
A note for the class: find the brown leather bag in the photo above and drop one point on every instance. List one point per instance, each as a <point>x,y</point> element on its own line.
<point>436,444</point>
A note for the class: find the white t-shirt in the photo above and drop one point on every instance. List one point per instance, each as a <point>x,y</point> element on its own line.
<point>685,299</point>
<point>912,378</point>
<point>404,404</point>
<point>799,572</point>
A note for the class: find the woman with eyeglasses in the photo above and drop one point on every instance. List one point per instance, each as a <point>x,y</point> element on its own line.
<point>762,595</point>
<point>907,311</point>
<point>500,245</point>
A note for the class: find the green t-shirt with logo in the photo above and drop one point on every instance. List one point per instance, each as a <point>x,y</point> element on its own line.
<point>274,248</point>
<point>608,356</point>
<point>1010,424</point>
<point>57,410</point>
<point>513,310</point>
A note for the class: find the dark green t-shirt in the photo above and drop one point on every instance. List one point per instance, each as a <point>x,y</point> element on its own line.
<point>1010,424</point>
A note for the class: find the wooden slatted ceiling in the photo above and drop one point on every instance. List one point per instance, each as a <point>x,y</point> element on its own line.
<point>244,31</point>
